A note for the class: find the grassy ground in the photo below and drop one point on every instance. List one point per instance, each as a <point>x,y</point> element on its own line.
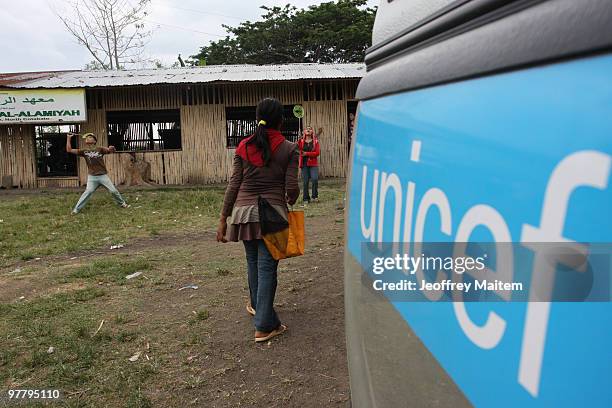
<point>39,225</point>
<point>34,226</point>
<point>71,320</point>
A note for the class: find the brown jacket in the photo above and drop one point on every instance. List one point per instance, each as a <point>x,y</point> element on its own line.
<point>277,182</point>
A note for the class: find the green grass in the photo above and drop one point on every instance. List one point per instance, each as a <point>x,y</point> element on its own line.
<point>202,314</point>
<point>109,270</point>
<point>64,321</point>
<point>41,225</point>
<point>331,197</point>
<point>93,367</point>
<point>83,359</point>
<point>223,272</point>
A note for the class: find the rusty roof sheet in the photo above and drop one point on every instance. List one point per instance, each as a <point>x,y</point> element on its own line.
<point>8,79</point>
<point>207,74</point>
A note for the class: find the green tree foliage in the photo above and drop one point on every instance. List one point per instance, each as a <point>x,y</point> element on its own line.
<point>329,32</point>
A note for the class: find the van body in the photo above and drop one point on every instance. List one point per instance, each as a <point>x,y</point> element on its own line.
<point>488,114</point>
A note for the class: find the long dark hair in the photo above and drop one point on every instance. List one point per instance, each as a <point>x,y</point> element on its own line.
<point>269,115</point>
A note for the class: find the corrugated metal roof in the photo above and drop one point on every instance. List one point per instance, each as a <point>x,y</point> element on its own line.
<point>18,77</point>
<point>212,73</point>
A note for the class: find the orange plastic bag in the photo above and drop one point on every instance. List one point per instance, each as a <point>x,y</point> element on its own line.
<point>290,241</point>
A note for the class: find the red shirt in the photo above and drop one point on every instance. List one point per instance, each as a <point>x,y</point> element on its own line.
<point>310,156</point>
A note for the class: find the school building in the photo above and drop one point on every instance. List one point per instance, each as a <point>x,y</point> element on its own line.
<point>185,122</point>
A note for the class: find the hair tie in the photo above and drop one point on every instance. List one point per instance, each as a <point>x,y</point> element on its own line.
<point>262,122</point>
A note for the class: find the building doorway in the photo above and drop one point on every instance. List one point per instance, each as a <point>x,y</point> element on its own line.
<point>52,160</point>
<point>351,109</point>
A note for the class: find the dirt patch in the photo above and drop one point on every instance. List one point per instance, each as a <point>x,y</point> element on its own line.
<point>305,367</point>
<point>200,342</point>
<point>24,278</point>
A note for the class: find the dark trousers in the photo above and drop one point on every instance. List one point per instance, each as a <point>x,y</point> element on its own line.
<point>262,284</point>
<point>310,173</point>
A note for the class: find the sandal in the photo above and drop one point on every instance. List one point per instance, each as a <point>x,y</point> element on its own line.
<point>250,309</point>
<point>267,336</point>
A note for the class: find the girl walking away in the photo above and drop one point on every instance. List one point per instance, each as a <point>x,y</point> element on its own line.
<point>309,163</point>
<point>266,166</point>
<point>96,170</point>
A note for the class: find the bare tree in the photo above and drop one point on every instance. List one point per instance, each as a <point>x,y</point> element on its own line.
<point>113,31</point>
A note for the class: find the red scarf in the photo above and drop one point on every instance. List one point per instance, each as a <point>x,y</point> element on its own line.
<point>253,154</point>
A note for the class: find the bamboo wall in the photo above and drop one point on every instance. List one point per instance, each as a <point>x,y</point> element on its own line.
<point>17,155</point>
<point>332,117</point>
<point>204,157</point>
<point>58,182</point>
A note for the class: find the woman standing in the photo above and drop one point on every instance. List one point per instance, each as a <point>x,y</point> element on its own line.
<point>265,165</point>
<point>309,163</point>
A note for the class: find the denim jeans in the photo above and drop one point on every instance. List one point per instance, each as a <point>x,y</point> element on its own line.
<point>262,284</point>
<point>93,182</point>
<point>310,173</point>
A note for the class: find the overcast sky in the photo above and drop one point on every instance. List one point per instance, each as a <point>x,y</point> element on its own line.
<point>39,42</point>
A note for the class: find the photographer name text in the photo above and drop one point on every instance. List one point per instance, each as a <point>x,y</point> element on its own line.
<point>416,265</point>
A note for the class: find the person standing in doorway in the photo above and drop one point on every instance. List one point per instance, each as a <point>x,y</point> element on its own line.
<point>309,163</point>
<point>265,166</point>
<point>96,170</point>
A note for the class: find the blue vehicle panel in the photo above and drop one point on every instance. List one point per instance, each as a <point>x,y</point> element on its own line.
<point>523,156</point>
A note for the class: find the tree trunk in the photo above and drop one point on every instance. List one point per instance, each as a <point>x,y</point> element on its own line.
<point>137,171</point>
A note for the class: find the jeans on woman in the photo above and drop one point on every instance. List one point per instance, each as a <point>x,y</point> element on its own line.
<point>262,284</point>
<point>93,182</point>
<point>310,173</point>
